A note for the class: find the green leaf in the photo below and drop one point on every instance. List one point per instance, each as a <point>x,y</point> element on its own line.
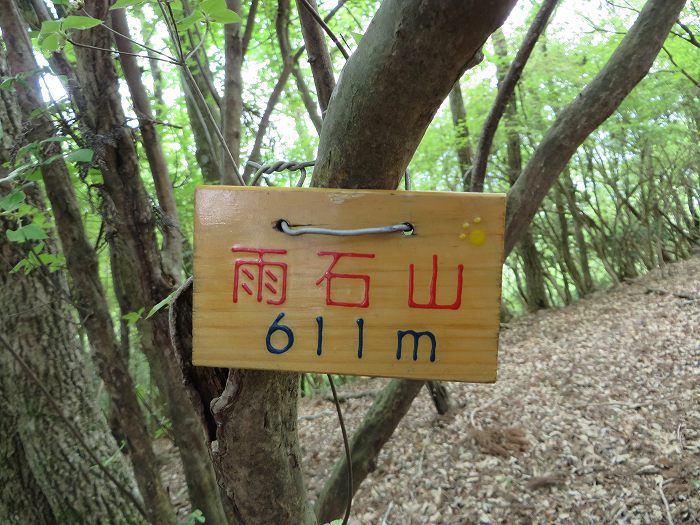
<point>121,4</point>
<point>53,262</point>
<point>218,11</point>
<point>32,232</point>
<point>13,200</point>
<point>50,26</point>
<point>161,304</point>
<point>34,176</point>
<point>334,522</point>
<point>17,172</point>
<point>209,6</point>
<point>189,21</point>
<point>225,17</point>
<point>50,43</point>
<point>80,22</point>
<point>133,317</point>
<point>15,235</point>
<point>357,36</point>
<point>6,84</point>
<point>80,155</point>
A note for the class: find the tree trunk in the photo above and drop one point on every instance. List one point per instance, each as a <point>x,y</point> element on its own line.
<point>233,95</point>
<point>380,111</point>
<point>439,395</point>
<point>536,292</point>
<point>459,121</point>
<point>83,266</point>
<point>319,57</point>
<point>47,459</point>
<point>138,264</point>
<point>172,236</point>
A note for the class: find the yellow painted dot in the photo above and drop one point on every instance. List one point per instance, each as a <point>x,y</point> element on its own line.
<point>462,236</point>
<point>477,237</point>
<point>465,225</point>
<point>477,220</point>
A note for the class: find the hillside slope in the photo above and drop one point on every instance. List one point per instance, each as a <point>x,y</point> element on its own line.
<point>595,418</point>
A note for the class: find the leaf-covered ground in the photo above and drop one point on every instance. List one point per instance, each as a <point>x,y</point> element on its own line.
<point>595,418</point>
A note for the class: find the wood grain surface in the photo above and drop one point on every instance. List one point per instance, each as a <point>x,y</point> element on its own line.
<point>273,309</point>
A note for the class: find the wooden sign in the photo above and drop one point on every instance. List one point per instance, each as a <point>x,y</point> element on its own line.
<point>418,304</point>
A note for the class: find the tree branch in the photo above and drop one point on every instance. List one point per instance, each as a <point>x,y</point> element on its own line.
<point>624,70</point>
<point>505,92</point>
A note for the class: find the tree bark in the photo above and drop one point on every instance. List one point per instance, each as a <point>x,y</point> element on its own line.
<point>83,266</point>
<point>319,57</point>
<point>536,292</point>
<point>46,458</point>
<point>233,95</point>
<point>459,121</point>
<point>624,70</point>
<point>379,110</point>
<point>172,236</point>
<point>138,264</point>
<point>506,88</point>
<point>21,498</point>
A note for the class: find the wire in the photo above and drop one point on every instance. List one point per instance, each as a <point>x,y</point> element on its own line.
<point>285,227</point>
<point>348,455</point>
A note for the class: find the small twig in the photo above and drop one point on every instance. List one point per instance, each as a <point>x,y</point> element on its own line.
<point>472,416</point>
<point>352,395</point>
<point>114,51</point>
<point>388,511</point>
<point>660,486</point>
<point>317,415</point>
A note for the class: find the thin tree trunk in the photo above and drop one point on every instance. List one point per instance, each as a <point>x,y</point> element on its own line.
<point>536,293</point>
<point>439,395</point>
<point>307,99</point>
<point>138,263</point>
<point>83,266</point>
<point>233,95</point>
<point>204,141</point>
<point>459,121</point>
<point>319,57</point>
<point>172,236</point>
<point>505,92</point>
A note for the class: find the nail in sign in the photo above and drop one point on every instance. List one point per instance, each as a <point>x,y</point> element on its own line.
<point>420,305</point>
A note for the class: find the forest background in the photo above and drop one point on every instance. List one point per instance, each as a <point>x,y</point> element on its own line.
<point>105,135</point>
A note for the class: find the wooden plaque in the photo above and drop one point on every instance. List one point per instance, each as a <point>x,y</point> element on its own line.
<point>423,306</point>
